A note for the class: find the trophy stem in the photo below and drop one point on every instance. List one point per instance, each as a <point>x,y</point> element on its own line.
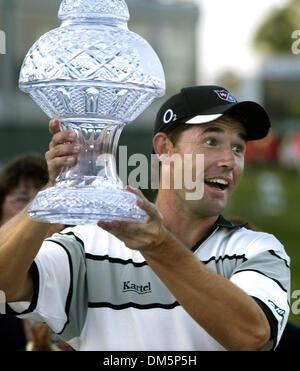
<point>91,190</point>
<point>96,163</point>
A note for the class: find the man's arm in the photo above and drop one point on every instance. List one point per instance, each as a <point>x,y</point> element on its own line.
<point>21,237</point>
<point>20,240</point>
<point>225,311</point>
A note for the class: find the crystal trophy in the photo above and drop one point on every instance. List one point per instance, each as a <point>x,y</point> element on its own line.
<point>96,76</point>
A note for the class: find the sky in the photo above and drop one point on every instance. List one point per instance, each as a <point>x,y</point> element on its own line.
<point>225,32</point>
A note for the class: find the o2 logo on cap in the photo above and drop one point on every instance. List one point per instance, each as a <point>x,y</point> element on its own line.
<point>169,116</point>
<point>225,95</point>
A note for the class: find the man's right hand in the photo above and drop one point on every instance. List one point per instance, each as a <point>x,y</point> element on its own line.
<point>63,150</point>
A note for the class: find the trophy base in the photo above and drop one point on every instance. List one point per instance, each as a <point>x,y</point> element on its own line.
<point>85,205</point>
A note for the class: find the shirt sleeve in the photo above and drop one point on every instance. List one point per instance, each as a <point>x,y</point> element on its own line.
<point>58,273</point>
<point>265,276</point>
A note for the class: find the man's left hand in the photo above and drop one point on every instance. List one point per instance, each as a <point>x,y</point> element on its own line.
<point>136,235</point>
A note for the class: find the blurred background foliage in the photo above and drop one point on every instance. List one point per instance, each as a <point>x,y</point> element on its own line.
<point>269,199</point>
<point>274,34</point>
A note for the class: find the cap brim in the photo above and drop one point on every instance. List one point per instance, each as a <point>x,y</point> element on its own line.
<point>252,115</point>
<point>203,119</point>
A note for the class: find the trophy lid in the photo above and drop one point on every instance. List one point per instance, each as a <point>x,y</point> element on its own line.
<point>93,9</point>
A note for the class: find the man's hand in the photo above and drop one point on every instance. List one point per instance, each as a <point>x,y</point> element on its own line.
<point>63,150</point>
<point>136,235</point>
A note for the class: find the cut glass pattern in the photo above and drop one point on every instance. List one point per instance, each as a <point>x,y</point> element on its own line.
<point>96,75</point>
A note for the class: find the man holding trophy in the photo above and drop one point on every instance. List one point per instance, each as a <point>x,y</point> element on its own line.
<point>132,275</point>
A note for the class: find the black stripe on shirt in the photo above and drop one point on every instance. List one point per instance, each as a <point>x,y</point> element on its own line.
<point>142,264</point>
<point>115,260</point>
<point>133,305</point>
<point>272,252</point>
<point>271,319</point>
<point>229,257</point>
<point>70,292</point>
<point>263,274</point>
<point>34,272</point>
<point>74,235</point>
<point>106,257</point>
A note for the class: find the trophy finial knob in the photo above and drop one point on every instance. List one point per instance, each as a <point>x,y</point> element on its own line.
<point>93,9</point>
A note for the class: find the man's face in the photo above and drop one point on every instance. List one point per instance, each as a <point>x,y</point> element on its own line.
<point>223,144</point>
<point>17,199</point>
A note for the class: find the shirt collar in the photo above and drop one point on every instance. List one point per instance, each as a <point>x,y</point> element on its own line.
<point>224,223</point>
<point>221,222</point>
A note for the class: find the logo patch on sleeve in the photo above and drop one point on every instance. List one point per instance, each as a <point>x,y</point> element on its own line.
<point>225,95</point>
<point>278,310</point>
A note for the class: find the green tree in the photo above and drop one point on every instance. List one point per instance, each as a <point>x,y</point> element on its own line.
<point>274,34</point>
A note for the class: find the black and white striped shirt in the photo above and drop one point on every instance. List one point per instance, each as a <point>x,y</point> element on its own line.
<point>100,295</point>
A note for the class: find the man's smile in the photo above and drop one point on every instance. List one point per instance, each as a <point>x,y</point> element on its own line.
<point>220,183</point>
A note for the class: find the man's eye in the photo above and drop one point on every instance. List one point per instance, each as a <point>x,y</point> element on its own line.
<point>238,149</point>
<point>211,142</point>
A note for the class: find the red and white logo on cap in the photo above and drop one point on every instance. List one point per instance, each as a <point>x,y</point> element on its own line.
<point>225,95</point>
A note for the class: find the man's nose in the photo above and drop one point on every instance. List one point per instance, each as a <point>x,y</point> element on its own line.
<point>227,158</point>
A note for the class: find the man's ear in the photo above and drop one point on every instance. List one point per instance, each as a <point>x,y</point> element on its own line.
<point>162,144</point>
